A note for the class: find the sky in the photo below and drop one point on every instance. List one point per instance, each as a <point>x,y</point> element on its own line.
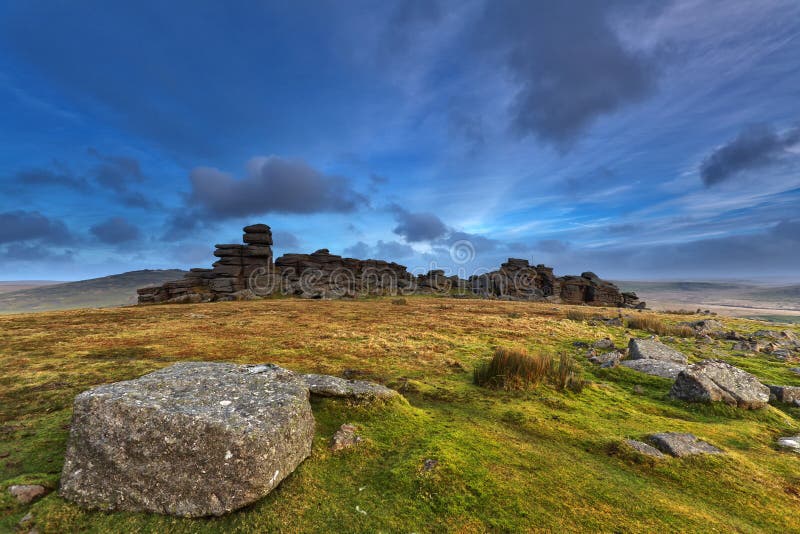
<point>638,140</point>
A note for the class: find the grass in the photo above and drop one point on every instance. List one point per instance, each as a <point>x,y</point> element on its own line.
<point>514,369</point>
<point>539,459</point>
<point>653,324</point>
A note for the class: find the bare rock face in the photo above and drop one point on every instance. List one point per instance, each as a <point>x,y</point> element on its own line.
<point>650,349</point>
<point>718,381</point>
<point>679,444</point>
<point>191,440</point>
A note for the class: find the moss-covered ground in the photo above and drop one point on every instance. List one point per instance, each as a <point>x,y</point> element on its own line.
<point>537,460</point>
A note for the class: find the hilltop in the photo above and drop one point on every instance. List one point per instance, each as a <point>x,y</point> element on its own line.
<point>114,290</point>
<point>457,457</point>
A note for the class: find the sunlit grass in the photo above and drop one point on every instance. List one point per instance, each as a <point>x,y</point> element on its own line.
<point>542,458</point>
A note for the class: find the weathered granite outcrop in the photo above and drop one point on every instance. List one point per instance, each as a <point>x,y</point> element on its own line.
<point>244,271</point>
<point>719,381</point>
<point>196,438</point>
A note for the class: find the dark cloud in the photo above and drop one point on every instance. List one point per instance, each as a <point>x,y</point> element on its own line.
<point>115,230</point>
<point>755,147</point>
<point>285,240</point>
<point>58,176</point>
<point>22,252</point>
<point>417,226</point>
<point>21,226</point>
<point>393,250</point>
<point>272,185</point>
<point>568,64</point>
<point>359,250</point>
<point>116,172</point>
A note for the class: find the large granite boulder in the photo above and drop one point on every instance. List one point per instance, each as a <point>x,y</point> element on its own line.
<point>191,440</point>
<point>718,381</point>
<point>650,349</point>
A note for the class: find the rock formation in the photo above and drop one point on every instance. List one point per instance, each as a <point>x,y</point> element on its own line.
<point>718,381</point>
<point>196,438</point>
<point>246,270</point>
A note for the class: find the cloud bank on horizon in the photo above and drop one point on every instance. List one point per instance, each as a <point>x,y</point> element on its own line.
<point>634,139</point>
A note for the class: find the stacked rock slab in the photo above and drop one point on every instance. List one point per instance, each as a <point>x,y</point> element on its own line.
<point>228,276</point>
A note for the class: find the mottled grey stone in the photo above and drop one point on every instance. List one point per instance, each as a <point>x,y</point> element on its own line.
<point>718,381</point>
<point>331,386</point>
<point>345,438</point>
<point>643,448</point>
<point>609,359</point>
<point>791,443</point>
<point>191,440</point>
<point>664,369</point>
<point>680,444</point>
<point>787,394</point>
<point>650,349</point>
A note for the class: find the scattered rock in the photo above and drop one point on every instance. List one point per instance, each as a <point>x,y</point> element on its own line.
<point>664,369</point>
<point>795,370</point>
<point>710,327</point>
<point>638,390</point>
<point>614,321</point>
<point>718,381</point>
<point>679,444</point>
<point>787,394</point>
<point>644,448</point>
<point>26,521</point>
<point>331,386</point>
<point>345,438</point>
<point>580,345</point>
<point>603,344</point>
<point>429,464</point>
<point>650,349</point>
<point>791,442</point>
<point>27,493</point>
<point>191,440</point>
<point>609,359</point>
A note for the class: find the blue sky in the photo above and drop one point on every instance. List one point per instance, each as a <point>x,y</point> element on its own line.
<point>635,139</point>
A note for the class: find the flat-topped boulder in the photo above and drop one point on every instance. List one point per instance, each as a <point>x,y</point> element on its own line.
<point>681,444</point>
<point>651,349</point>
<point>718,381</point>
<point>331,386</point>
<point>191,440</point>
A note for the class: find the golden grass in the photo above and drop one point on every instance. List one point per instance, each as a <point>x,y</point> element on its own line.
<point>653,324</point>
<point>534,460</point>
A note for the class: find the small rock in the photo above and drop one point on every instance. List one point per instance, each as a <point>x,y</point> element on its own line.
<point>680,444</point>
<point>787,394</point>
<point>580,345</point>
<point>26,521</point>
<point>650,349</point>
<point>331,386</point>
<point>795,370</point>
<point>644,448</point>
<point>791,443</point>
<point>27,493</point>
<point>345,438</point>
<point>609,359</point>
<point>604,344</point>
<point>638,390</point>
<point>429,464</point>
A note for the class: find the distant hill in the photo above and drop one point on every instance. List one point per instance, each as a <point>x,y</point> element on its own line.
<point>115,290</point>
<point>19,285</point>
<point>733,294</point>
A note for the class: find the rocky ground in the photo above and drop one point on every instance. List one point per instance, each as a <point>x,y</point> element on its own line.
<point>630,452</point>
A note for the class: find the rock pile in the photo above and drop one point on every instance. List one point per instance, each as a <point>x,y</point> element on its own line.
<point>196,438</point>
<point>244,271</point>
<point>227,280</point>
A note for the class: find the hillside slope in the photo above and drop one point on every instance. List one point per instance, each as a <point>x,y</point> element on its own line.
<point>115,290</point>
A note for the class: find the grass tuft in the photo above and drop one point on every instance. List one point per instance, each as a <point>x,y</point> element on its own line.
<point>654,325</point>
<point>514,369</point>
